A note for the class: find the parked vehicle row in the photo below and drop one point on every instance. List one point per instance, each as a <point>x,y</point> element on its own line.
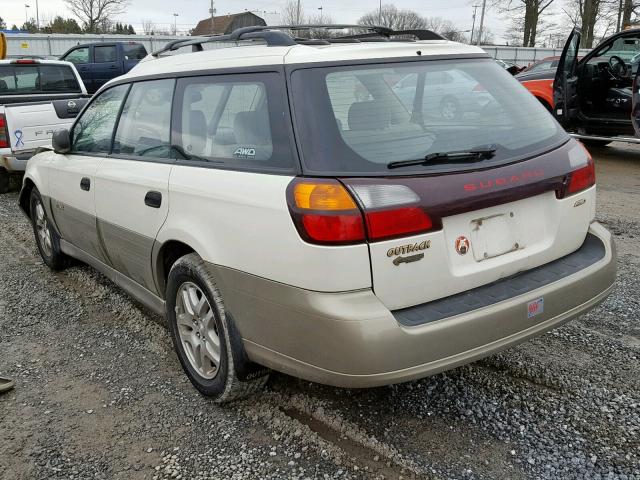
<point>98,63</point>
<point>361,235</point>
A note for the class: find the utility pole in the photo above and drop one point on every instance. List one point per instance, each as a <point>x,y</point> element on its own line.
<point>473,23</point>
<point>37,16</point>
<point>175,24</point>
<point>320,8</point>
<point>26,13</point>
<point>618,26</point>
<point>298,13</point>
<point>212,11</point>
<point>380,14</point>
<point>484,6</point>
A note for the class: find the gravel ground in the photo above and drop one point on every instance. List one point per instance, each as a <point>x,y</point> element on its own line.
<point>100,393</point>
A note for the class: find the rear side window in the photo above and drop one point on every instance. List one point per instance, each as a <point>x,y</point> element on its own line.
<point>77,56</point>
<point>134,51</point>
<point>144,128</point>
<point>235,121</point>
<point>25,79</point>
<point>361,118</point>
<point>93,131</point>
<point>104,54</point>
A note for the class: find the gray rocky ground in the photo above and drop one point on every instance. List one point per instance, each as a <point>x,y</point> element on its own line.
<point>100,393</point>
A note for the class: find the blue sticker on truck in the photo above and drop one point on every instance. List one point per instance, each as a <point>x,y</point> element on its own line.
<point>18,135</point>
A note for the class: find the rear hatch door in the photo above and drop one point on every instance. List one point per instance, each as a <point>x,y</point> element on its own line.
<point>487,225</point>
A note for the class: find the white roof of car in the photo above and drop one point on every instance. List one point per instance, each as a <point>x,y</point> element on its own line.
<point>256,55</point>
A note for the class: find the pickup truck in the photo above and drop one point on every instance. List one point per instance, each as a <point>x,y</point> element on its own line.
<point>37,97</point>
<point>98,63</point>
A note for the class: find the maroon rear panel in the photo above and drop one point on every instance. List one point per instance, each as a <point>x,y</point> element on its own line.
<point>446,194</point>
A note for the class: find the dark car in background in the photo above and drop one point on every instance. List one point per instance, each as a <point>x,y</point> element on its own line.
<point>98,63</point>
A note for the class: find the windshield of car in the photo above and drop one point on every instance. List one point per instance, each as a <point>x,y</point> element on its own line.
<point>361,118</point>
<point>21,79</point>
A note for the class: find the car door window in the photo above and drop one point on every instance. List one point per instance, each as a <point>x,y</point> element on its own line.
<point>93,131</point>
<point>78,56</point>
<point>234,121</point>
<point>144,128</point>
<point>105,54</point>
<point>134,51</point>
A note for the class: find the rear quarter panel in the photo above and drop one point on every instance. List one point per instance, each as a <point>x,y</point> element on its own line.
<point>241,220</point>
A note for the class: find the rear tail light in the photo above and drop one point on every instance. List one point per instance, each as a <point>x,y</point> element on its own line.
<point>391,211</point>
<point>582,177</point>
<point>4,136</point>
<point>325,212</point>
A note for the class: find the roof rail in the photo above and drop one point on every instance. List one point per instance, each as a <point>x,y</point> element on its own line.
<point>274,36</point>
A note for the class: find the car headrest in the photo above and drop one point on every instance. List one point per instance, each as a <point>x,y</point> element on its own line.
<point>369,115</point>
<point>193,96</point>
<point>3,86</point>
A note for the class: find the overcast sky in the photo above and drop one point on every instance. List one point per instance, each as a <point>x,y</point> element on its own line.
<point>190,11</point>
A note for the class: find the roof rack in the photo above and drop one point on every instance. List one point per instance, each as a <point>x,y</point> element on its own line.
<point>274,36</point>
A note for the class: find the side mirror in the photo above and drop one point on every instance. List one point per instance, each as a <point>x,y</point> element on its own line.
<point>61,141</point>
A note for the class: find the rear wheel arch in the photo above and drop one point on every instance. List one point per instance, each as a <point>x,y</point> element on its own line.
<point>168,254</point>
<point>25,196</point>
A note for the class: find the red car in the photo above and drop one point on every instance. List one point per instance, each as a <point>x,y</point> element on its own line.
<point>540,83</point>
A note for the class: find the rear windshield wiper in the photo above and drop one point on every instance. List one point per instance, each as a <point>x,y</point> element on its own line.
<point>474,155</point>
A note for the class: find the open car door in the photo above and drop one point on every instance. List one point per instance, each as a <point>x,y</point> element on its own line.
<point>565,84</point>
<point>635,109</point>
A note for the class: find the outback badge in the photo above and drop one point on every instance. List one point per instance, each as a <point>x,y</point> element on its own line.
<point>410,248</point>
<point>462,245</point>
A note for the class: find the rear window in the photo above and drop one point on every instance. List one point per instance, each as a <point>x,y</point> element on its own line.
<point>360,118</point>
<point>134,51</point>
<point>27,79</point>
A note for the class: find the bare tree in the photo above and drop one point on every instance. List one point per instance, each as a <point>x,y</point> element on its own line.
<point>528,14</point>
<point>444,27</point>
<point>94,14</point>
<point>393,18</point>
<point>148,27</point>
<point>293,13</point>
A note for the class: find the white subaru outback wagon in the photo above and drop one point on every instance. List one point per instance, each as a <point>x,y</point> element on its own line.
<point>286,209</point>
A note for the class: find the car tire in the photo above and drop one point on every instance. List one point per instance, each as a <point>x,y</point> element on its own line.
<point>450,109</point>
<point>205,337</point>
<point>47,238</point>
<point>595,143</point>
<point>5,181</point>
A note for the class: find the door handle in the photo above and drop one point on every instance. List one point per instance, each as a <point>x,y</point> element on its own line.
<point>153,199</point>
<point>85,184</point>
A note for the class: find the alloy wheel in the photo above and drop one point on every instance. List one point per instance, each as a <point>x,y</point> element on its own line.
<point>42,227</point>
<point>198,330</point>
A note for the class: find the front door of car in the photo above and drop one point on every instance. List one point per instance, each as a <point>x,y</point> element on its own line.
<point>72,178</point>
<point>635,110</point>
<point>565,84</point>
<point>132,194</point>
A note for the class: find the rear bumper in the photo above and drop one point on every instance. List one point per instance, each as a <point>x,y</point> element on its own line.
<point>351,339</point>
<point>15,162</point>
